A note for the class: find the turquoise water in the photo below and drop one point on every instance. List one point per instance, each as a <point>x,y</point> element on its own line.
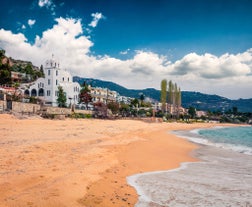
<point>237,138</point>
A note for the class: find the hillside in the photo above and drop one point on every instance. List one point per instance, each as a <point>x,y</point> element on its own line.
<point>198,100</point>
<point>9,65</point>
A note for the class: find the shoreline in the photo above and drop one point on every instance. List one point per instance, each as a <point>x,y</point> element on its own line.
<point>113,190</point>
<point>83,162</point>
<point>222,178</point>
<point>184,153</point>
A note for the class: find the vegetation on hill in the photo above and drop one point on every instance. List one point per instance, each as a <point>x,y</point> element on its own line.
<point>27,69</point>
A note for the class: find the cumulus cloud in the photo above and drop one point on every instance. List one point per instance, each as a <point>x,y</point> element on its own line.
<point>96,18</point>
<point>23,26</point>
<point>228,75</point>
<point>31,22</point>
<point>212,67</point>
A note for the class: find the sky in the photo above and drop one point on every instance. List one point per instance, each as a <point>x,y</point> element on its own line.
<point>202,45</point>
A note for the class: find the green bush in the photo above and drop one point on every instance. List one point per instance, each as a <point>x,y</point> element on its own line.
<point>80,116</point>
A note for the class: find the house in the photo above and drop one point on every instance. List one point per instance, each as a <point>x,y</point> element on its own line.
<point>46,88</point>
<point>17,77</point>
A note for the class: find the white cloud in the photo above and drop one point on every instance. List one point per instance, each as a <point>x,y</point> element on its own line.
<point>23,26</point>
<point>43,3</point>
<point>48,4</point>
<point>125,52</point>
<point>31,22</point>
<point>212,67</point>
<point>228,75</point>
<point>96,18</point>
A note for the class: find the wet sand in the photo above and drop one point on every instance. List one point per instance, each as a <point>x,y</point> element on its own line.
<point>222,178</point>
<point>83,162</point>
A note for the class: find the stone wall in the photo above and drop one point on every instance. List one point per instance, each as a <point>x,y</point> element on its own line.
<point>2,106</point>
<point>20,107</point>
<point>66,111</point>
<point>56,110</point>
<point>83,111</point>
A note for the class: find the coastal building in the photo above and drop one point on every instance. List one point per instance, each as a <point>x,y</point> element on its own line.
<point>123,99</point>
<point>46,88</point>
<point>103,95</point>
<point>201,113</point>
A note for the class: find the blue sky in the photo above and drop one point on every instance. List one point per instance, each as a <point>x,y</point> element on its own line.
<point>203,45</point>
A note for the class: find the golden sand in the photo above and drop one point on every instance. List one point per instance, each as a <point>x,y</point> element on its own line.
<point>83,162</point>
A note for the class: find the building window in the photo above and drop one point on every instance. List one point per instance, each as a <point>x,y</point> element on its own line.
<point>48,93</point>
<point>49,72</point>
<point>33,92</point>
<point>56,82</point>
<point>68,79</point>
<point>63,79</point>
<point>56,73</point>
<point>56,93</point>
<point>49,81</point>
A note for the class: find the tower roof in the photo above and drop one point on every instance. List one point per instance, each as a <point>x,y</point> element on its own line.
<point>52,63</point>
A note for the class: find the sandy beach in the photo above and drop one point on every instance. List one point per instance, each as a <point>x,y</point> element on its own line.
<point>83,162</point>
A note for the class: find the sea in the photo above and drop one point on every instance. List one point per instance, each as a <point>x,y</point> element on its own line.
<point>222,177</point>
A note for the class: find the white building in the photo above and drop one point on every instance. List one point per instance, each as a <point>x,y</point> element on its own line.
<point>47,88</point>
<point>103,95</point>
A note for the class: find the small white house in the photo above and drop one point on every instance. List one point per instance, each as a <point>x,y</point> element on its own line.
<point>47,88</point>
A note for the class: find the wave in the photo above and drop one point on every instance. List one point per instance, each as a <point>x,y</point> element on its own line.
<point>195,137</point>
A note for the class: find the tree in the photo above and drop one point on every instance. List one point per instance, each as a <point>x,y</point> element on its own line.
<point>192,112</point>
<point>235,110</point>
<point>124,109</point>
<point>5,76</point>
<point>61,100</point>
<point>170,91</point>
<point>114,107</point>
<point>85,96</point>
<point>2,54</point>
<point>42,71</point>
<point>163,97</point>
<point>134,103</point>
<point>174,98</point>
<point>141,98</point>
